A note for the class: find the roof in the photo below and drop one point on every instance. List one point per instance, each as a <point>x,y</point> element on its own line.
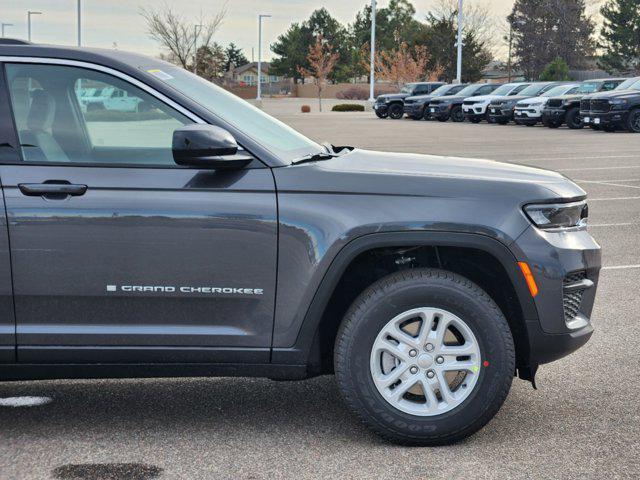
<point>252,65</point>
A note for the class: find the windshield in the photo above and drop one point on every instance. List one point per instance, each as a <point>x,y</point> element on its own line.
<point>628,84</point>
<point>504,89</point>
<point>272,134</point>
<point>468,91</point>
<point>589,87</point>
<point>442,90</point>
<point>559,90</point>
<point>533,90</point>
<point>407,88</point>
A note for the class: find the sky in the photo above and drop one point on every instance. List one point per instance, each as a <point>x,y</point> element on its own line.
<point>109,23</point>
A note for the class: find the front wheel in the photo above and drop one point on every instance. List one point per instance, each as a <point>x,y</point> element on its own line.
<point>396,111</point>
<point>424,357</point>
<point>381,115</point>
<point>633,121</point>
<point>457,115</point>
<point>574,122</point>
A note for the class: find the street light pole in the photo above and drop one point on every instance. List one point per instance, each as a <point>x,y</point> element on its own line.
<point>373,53</point>
<point>260,17</point>
<point>5,25</point>
<point>79,23</point>
<point>459,69</point>
<point>29,13</point>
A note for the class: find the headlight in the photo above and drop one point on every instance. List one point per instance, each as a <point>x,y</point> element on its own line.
<point>558,215</point>
<point>618,103</point>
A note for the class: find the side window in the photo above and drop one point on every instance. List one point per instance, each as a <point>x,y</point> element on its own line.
<point>609,86</point>
<point>71,114</point>
<point>518,89</point>
<point>485,90</point>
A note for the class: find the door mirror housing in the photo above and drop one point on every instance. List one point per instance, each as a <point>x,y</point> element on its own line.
<point>207,146</point>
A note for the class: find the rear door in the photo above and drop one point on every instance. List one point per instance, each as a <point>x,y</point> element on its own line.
<point>119,255</point>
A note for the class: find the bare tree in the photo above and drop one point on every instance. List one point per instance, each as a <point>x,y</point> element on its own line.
<point>403,65</point>
<point>182,38</point>
<point>477,20</point>
<point>321,59</point>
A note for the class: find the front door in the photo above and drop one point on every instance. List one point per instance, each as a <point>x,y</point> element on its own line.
<point>118,254</point>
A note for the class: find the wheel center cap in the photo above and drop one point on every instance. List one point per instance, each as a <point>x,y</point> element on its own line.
<point>425,360</point>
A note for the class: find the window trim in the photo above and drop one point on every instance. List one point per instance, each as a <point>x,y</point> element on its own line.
<point>110,71</point>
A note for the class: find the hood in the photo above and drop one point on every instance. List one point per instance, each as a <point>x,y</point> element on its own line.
<point>484,98</point>
<point>615,94</point>
<point>512,98</point>
<point>392,96</point>
<point>381,173</point>
<point>574,96</point>
<point>419,99</point>
<point>528,100</point>
<point>446,98</point>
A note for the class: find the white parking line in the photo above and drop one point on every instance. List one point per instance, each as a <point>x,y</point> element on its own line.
<point>596,168</point>
<point>574,158</point>
<point>16,402</point>
<point>596,225</point>
<point>611,184</point>
<point>620,267</point>
<point>612,199</point>
<point>609,180</point>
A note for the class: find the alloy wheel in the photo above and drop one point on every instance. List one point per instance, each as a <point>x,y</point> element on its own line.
<point>425,361</point>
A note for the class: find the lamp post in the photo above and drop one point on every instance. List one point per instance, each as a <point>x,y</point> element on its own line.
<point>260,17</point>
<point>79,23</point>
<point>373,53</point>
<point>5,25</point>
<point>459,69</point>
<point>29,13</point>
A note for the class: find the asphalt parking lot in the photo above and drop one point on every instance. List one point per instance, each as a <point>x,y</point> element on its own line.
<point>582,422</point>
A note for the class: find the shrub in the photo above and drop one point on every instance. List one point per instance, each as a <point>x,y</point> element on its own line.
<point>305,109</point>
<point>348,107</point>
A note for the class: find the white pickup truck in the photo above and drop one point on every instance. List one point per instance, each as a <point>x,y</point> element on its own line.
<point>110,98</point>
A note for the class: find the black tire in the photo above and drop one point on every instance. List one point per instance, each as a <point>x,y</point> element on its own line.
<point>426,114</point>
<point>609,128</point>
<point>443,119</point>
<point>396,111</point>
<point>381,115</point>
<point>502,122</point>
<point>413,117</point>
<point>475,119</point>
<point>398,293</point>
<point>552,124</point>
<point>573,120</point>
<point>594,127</point>
<point>633,121</point>
<point>487,116</point>
<point>530,124</point>
<point>457,115</point>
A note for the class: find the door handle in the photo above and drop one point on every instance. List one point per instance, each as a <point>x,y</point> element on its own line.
<point>54,189</point>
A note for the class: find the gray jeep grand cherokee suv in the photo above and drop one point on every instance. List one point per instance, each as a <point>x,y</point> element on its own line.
<point>153,224</point>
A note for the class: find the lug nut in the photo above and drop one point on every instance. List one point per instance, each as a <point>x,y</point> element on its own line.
<point>413,353</point>
<point>414,369</point>
<point>440,360</point>
<point>430,374</point>
<point>429,347</point>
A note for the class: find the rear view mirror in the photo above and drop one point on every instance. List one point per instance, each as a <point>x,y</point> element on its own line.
<point>206,146</point>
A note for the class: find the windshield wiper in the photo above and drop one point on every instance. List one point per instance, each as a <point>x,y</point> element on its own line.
<point>314,157</point>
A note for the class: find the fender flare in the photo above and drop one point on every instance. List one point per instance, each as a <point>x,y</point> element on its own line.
<point>299,353</point>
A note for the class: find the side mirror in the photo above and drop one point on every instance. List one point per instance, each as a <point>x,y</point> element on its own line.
<point>206,146</point>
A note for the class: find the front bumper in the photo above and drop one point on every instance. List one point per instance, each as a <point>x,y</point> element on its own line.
<point>414,109</point>
<point>440,111</point>
<point>497,114</point>
<point>616,118</point>
<point>381,108</point>
<point>476,111</point>
<point>566,268</point>
<point>554,115</point>
<point>530,115</point>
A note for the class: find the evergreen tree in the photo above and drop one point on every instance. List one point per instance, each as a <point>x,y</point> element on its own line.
<point>620,37</point>
<point>234,57</point>
<point>558,70</point>
<point>544,30</point>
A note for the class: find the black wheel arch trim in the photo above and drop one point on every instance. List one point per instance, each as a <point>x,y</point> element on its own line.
<point>301,351</point>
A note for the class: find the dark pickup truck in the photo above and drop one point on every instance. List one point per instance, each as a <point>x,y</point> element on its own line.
<point>201,237</point>
<point>417,107</point>
<point>617,109</point>
<point>392,104</point>
<point>566,108</point>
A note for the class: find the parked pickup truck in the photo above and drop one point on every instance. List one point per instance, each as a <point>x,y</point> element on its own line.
<point>215,240</point>
<point>615,109</point>
<point>566,108</point>
<point>392,104</point>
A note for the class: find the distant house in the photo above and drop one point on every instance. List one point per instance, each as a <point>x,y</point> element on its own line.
<point>497,72</point>
<point>247,75</point>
